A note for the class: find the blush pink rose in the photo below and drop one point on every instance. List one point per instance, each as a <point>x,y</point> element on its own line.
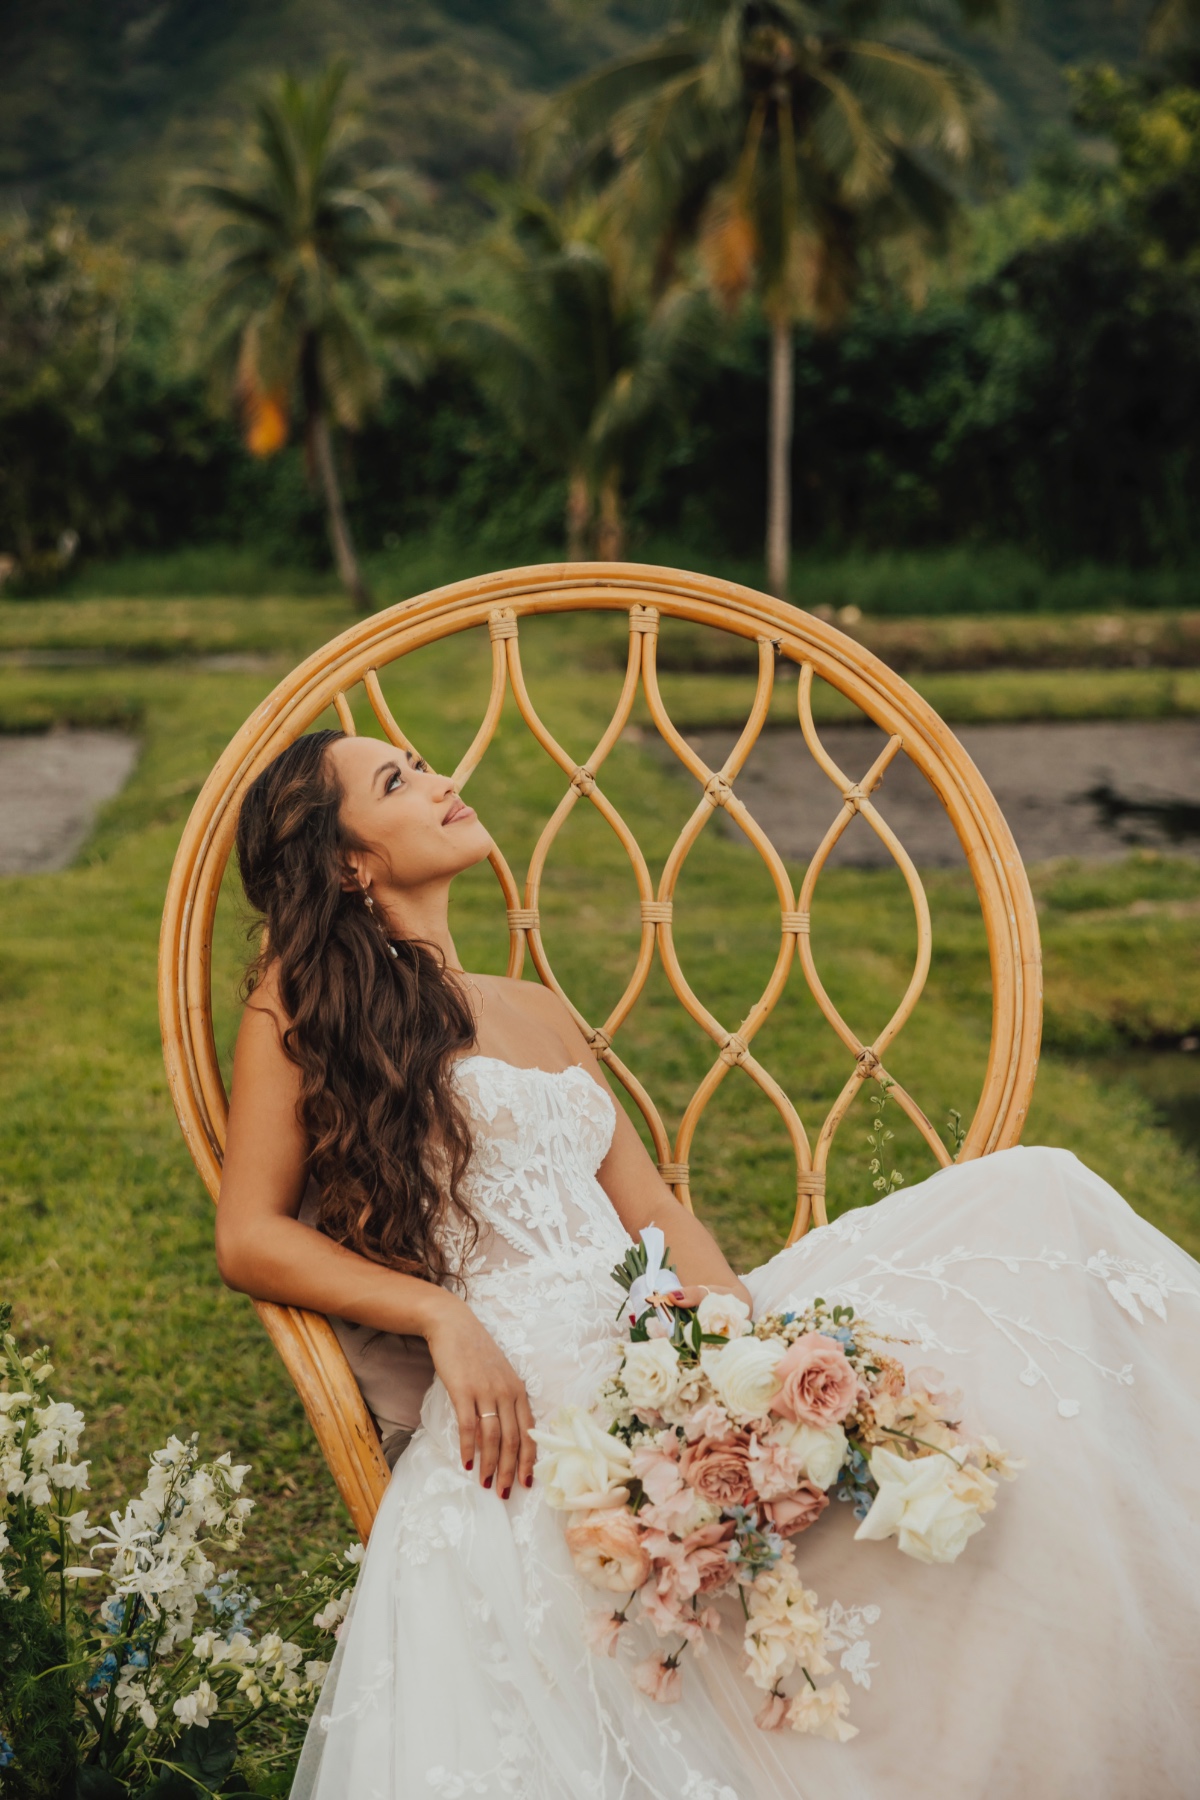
<point>659,1679</point>
<point>796,1511</point>
<point>607,1550</point>
<point>817,1384</point>
<point>720,1471</point>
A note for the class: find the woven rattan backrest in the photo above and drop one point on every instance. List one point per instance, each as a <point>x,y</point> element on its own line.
<point>305,1341</point>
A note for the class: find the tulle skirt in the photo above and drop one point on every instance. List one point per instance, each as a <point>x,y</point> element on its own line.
<point>1058,1657</point>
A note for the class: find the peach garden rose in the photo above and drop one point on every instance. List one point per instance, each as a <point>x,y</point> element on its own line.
<point>817,1385</point>
<point>720,1472</point>
<point>607,1549</point>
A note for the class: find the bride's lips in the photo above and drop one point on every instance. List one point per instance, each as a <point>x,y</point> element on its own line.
<point>459,810</point>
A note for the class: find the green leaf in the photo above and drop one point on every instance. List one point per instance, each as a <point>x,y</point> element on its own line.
<point>210,1751</point>
<point>94,1783</point>
<point>171,1785</point>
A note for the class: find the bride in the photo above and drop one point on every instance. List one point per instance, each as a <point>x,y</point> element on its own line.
<point>472,1183</point>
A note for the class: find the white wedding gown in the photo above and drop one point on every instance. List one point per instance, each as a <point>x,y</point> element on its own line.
<point>1058,1658</point>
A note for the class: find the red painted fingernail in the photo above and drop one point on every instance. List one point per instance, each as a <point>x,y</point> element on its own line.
<point>487,1481</point>
<point>471,1464</point>
<point>529,1481</point>
<point>505,1492</point>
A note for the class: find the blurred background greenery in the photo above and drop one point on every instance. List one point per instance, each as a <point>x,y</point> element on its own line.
<point>991,291</point>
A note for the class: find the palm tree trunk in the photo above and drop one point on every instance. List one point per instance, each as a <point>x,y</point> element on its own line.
<point>579,515</point>
<point>340,540</point>
<point>610,532</point>
<point>779,462</point>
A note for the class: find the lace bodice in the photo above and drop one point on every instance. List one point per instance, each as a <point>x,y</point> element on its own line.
<point>549,1234</point>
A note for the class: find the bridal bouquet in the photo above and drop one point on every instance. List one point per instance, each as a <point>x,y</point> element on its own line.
<point>717,1443</point>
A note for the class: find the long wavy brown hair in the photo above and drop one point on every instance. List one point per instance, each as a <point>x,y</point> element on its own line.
<point>372,1033</point>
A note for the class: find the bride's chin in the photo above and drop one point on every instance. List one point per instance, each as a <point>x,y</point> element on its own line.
<point>475,847</point>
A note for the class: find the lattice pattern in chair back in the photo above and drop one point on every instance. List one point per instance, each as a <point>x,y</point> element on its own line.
<point>646,595</point>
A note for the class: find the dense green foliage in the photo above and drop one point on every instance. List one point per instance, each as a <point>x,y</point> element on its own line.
<point>1043,399</point>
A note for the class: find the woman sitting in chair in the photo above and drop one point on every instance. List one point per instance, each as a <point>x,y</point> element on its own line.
<point>472,1185</point>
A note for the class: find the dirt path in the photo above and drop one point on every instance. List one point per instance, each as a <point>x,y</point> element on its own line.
<point>1094,790</point>
<point>1067,789</point>
<point>51,788</point>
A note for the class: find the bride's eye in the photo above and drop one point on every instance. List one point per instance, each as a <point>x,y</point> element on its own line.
<point>394,781</point>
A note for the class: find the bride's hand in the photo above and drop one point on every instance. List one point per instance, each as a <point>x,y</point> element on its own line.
<point>487,1394</point>
<point>692,1296</point>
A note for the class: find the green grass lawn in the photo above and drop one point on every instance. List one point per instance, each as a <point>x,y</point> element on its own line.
<point>105,1230</point>
<point>965,579</point>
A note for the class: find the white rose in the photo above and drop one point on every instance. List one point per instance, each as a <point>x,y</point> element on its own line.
<point>651,1374</point>
<point>820,1452</point>
<point>724,1315</point>
<point>924,1505</point>
<point>743,1374</point>
<point>580,1466</point>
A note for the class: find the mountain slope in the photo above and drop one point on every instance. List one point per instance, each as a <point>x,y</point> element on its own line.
<point>101,99</point>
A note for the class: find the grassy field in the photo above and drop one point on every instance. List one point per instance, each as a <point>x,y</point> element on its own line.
<point>964,580</point>
<point>105,1231</point>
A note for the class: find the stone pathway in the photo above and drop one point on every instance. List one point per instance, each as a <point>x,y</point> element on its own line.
<point>51,787</point>
<point>1095,790</point>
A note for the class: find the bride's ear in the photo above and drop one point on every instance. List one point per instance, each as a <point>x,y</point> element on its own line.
<point>352,878</point>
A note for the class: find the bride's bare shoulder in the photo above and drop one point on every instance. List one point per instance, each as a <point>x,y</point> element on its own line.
<point>539,1006</point>
<point>263,1003</point>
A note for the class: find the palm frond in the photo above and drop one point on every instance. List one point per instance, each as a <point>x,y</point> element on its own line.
<point>917,99</point>
<point>570,128</point>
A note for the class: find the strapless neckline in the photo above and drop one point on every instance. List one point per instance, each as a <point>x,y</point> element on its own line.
<point>500,1062</point>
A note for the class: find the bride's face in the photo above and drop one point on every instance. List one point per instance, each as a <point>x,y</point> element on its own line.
<point>416,828</point>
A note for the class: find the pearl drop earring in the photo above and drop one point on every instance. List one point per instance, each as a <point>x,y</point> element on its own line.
<point>395,954</point>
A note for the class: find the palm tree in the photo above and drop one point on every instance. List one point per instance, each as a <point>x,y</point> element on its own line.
<point>795,145</point>
<point>581,372</point>
<point>292,304</point>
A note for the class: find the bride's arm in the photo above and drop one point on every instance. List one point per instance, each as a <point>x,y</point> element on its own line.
<point>264,1250</point>
<point>641,1197</point>
<point>632,1182</point>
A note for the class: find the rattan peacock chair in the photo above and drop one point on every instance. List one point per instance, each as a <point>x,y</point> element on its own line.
<point>305,1340</point>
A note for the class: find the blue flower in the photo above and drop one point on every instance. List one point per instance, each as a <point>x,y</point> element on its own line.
<point>840,1334</point>
<point>104,1673</point>
<point>7,1753</point>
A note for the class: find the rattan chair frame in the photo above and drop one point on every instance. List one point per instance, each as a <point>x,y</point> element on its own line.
<point>305,1341</point>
